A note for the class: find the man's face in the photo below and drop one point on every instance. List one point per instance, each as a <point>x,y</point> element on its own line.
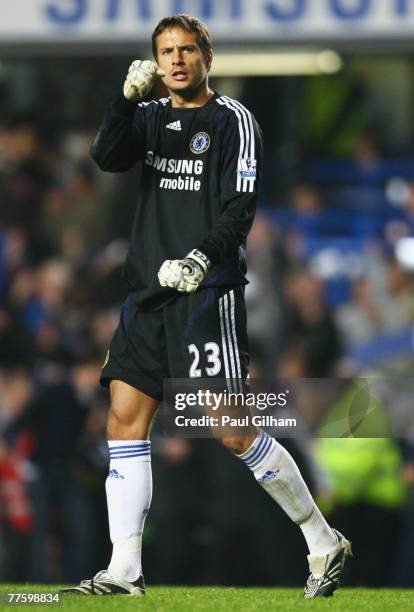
<point>182,60</point>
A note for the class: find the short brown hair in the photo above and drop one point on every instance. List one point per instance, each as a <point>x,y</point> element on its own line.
<point>187,23</point>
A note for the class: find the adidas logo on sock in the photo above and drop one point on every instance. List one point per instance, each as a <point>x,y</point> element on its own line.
<point>175,125</point>
<point>115,474</point>
<point>268,475</point>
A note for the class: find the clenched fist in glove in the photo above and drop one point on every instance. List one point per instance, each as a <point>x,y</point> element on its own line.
<point>140,79</point>
<point>184,274</point>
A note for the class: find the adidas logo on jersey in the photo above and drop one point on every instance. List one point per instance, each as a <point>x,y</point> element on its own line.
<point>175,125</point>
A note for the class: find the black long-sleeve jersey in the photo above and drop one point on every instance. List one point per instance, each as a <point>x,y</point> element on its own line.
<point>198,186</point>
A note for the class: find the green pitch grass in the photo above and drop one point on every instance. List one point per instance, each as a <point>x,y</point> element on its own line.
<point>164,599</point>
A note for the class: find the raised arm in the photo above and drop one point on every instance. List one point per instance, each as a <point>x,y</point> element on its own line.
<point>120,141</point>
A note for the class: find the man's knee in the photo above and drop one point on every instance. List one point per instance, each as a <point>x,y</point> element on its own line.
<point>238,445</point>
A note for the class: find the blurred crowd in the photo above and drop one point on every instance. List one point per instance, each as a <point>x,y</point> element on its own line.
<point>328,299</point>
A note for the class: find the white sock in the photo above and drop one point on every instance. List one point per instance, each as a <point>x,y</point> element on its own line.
<point>276,471</point>
<point>128,494</point>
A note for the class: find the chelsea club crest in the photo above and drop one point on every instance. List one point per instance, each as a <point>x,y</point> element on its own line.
<point>199,143</point>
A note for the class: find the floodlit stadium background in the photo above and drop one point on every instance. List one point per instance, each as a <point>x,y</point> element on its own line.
<point>331,294</point>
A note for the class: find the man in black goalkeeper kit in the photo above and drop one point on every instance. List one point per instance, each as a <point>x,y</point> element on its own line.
<point>200,154</point>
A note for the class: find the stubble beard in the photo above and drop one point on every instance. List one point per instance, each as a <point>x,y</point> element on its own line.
<point>190,91</point>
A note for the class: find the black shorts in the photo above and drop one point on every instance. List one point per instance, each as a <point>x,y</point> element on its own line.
<point>198,335</point>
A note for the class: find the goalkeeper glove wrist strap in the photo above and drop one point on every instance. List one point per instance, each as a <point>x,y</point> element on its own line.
<point>201,259</point>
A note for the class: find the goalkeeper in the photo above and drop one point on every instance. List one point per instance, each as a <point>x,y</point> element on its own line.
<point>200,157</point>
